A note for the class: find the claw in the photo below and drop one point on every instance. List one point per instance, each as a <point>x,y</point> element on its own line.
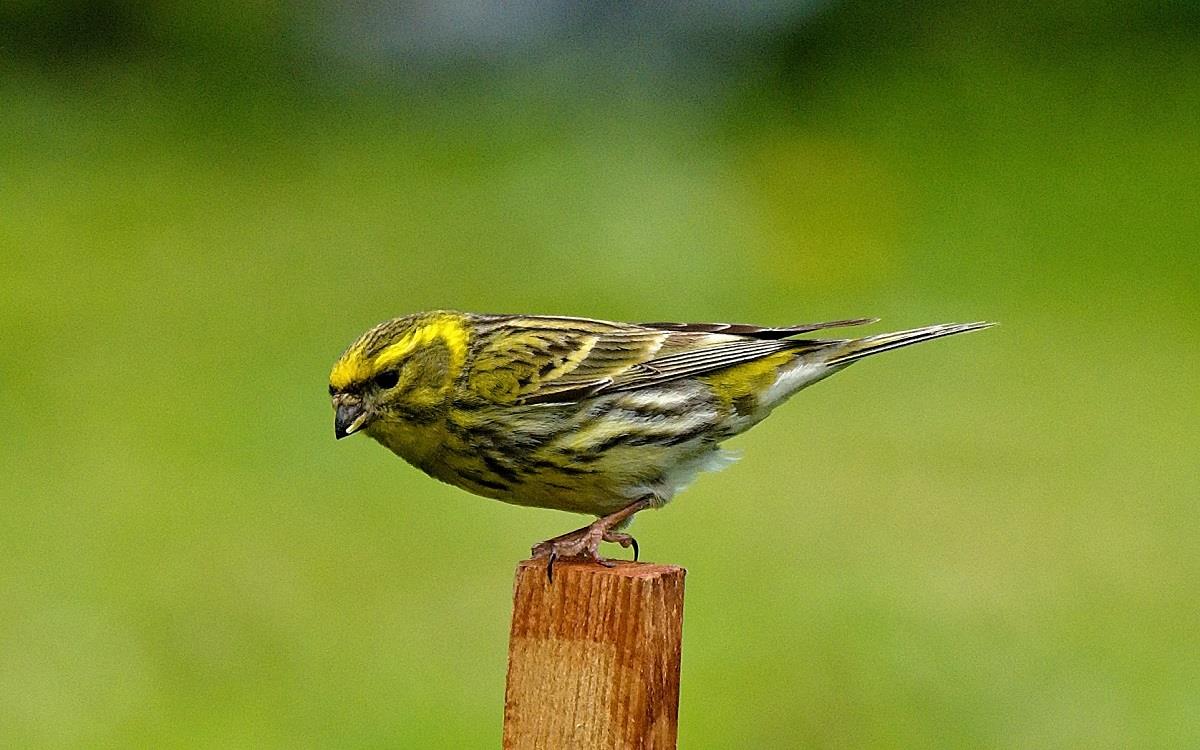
<point>582,544</point>
<point>625,540</point>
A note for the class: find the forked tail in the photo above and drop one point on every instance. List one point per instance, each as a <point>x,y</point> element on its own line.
<point>856,349</point>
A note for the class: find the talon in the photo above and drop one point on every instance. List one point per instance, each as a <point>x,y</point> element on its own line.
<point>584,544</point>
<point>625,540</point>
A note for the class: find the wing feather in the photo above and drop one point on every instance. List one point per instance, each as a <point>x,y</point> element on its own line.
<point>758,332</point>
<point>550,360</point>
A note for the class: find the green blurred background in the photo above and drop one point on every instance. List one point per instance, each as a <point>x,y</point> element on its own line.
<point>990,541</point>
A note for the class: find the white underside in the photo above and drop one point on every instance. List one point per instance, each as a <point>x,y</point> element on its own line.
<point>800,375</point>
<point>683,473</point>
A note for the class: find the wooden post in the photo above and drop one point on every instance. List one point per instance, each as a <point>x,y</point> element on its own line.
<point>593,658</point>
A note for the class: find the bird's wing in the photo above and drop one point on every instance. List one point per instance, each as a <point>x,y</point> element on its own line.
<point>538,360</point>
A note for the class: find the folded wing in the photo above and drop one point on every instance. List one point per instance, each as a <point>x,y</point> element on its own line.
<point>546,360</point>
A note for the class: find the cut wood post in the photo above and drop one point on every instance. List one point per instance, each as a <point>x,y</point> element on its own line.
<point>593,658</point>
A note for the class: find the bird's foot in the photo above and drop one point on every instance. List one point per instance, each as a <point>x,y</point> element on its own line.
<point>584,544</point>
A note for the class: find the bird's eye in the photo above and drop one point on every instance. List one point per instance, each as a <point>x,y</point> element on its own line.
<point>332,391</point>
<point>387,379</point>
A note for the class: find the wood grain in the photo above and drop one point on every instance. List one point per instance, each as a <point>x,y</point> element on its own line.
<point>593,658</point>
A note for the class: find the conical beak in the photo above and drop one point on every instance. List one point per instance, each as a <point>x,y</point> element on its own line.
<point>348,419</point>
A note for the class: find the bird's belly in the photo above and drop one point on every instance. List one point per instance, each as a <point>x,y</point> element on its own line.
<point>607,483</point>
<point>595,457</point>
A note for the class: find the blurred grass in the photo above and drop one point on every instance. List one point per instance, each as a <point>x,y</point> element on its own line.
<point>986,542</point>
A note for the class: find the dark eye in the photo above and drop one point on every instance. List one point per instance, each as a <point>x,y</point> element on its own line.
<point>332,391</point>
<point>387,379</point>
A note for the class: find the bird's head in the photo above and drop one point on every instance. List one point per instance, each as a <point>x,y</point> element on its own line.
<point>399,372</point>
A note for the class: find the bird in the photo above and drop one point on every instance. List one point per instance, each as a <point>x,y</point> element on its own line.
<point>578,414</point>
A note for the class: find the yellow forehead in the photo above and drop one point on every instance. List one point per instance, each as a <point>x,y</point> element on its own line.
<point>356,366</point>
<point>352,368</point>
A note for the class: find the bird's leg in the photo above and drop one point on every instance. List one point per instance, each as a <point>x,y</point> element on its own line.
<point>584,544</point>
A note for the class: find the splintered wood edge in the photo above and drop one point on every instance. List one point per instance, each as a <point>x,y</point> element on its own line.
<point>619,568</point>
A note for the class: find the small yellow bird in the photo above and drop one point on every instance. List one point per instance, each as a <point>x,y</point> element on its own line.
<point>575,414</point>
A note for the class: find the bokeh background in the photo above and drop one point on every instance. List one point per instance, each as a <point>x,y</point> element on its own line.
<point>989,541</point>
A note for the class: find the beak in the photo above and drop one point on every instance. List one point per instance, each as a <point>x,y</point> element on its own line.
<point>348,419</point>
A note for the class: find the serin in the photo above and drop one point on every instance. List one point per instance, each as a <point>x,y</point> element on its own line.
<point>575,414</point>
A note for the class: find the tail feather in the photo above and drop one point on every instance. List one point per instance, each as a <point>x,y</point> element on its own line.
<point>856,349</point>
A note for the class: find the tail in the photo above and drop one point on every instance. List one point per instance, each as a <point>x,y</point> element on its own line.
<point>855,349</point>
